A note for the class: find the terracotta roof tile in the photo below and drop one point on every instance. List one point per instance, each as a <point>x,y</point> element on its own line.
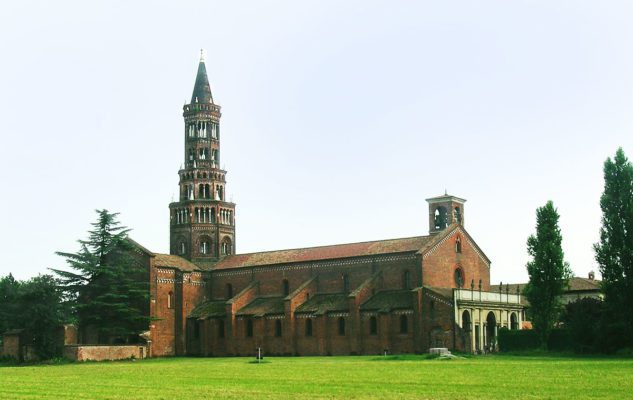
<point>389,300</point>
<point>263,306</point>
<point>324,252</point>
<point>209,309</point>
<point>575,284</point>
<point>323,303</point>
<point>168,260</point>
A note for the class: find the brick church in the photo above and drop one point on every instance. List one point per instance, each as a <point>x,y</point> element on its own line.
<point>402,295</point>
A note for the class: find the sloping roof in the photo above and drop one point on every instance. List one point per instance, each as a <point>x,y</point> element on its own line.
<point>209,309</point>
<point>168,260</point>
<point>324,252</point>
<point>389,300</point>
<point>576,284</point>
<point>263,306</point>
<point>201,89</point>
<point>323,303</point>
<point>582,284</point>
<point>444,292</point>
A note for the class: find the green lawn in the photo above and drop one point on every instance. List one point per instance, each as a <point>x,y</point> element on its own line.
<point>414,377</point>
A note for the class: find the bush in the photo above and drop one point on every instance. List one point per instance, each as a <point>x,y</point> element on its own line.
<point>517,340</point>
<point>583,321</point>
<point>528,340</point>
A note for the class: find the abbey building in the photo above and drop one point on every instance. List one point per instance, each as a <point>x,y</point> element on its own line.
<point>401,295</point>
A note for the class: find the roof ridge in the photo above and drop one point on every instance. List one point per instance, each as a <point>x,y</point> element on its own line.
<point>328,245</point>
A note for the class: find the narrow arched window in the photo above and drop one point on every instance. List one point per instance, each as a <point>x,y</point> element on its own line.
<point>286,287</point>
<point>249,328</point>
<point>404,324</point>
<point>341,326</point>
<point>183,248</point>
<point>220,328</point>
<point>459,277</point>
<point>373,326</point>
<point>458,245</point>
<point>308,327</point>
<point>278,328</point>
<point>229,291</point>
<point>170,300</point>
<point>345,283</point>
<point>406,280</point>
<point>458,215</point>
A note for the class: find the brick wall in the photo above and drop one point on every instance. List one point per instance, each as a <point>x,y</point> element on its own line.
<point>438,266</point>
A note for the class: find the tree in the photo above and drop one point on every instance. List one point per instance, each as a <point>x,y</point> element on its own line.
<point>614,252</point>
<point>42,313</point>
<point>109,287</point>
<point>581,319</point>
<point>549,273</point>
<point>9,289</point>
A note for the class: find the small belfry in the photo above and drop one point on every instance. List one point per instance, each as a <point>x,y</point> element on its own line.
<point>202,222</point>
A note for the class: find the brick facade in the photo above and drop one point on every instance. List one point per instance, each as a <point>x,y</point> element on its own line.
<point>360,298</point>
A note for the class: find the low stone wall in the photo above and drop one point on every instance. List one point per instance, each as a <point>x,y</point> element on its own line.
<point>102,353</point>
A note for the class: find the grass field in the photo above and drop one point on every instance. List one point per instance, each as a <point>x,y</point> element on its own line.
<point>413,377</point>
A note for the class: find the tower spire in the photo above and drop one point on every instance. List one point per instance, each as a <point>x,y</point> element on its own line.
<point>202,89</point>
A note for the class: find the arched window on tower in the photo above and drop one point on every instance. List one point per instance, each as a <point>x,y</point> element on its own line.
<point>190,154</point>
<point>182,248</point>
<point>213,215</point>
<point>440,218</point>
<point>458,215</point>
<point>205,246</point>
<point>227,246</point>
<point>207,191</point>
<point>201,191</point>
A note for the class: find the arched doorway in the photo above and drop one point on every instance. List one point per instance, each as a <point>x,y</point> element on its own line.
<point>491,331</point>
<point>514,321</point>
<point>466,321</point>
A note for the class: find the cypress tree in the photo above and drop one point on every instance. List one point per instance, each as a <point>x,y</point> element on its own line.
<point>109,287</point>
<point>614,252</point>
<point>549,273</point>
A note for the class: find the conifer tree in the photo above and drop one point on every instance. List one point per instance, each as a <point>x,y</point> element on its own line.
<point>109,287</point>
<point>549,273</point>
<point>614,252</point>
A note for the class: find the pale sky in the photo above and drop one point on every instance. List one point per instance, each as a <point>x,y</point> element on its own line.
<point>339,118</point>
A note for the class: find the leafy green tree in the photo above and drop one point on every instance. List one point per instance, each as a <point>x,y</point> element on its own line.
<point>581,319</point>
<point>614,252</point>
<point>549,273</point>
<point>108,287</point>
<point>42,314</point>
<point>9,289</point>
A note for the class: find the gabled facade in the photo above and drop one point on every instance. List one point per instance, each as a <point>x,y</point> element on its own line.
<point>398,295</point>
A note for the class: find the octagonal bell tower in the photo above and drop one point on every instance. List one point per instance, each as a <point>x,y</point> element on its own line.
<point>202,222</point>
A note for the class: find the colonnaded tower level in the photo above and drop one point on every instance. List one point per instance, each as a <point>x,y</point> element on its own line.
<point>202,222</point>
